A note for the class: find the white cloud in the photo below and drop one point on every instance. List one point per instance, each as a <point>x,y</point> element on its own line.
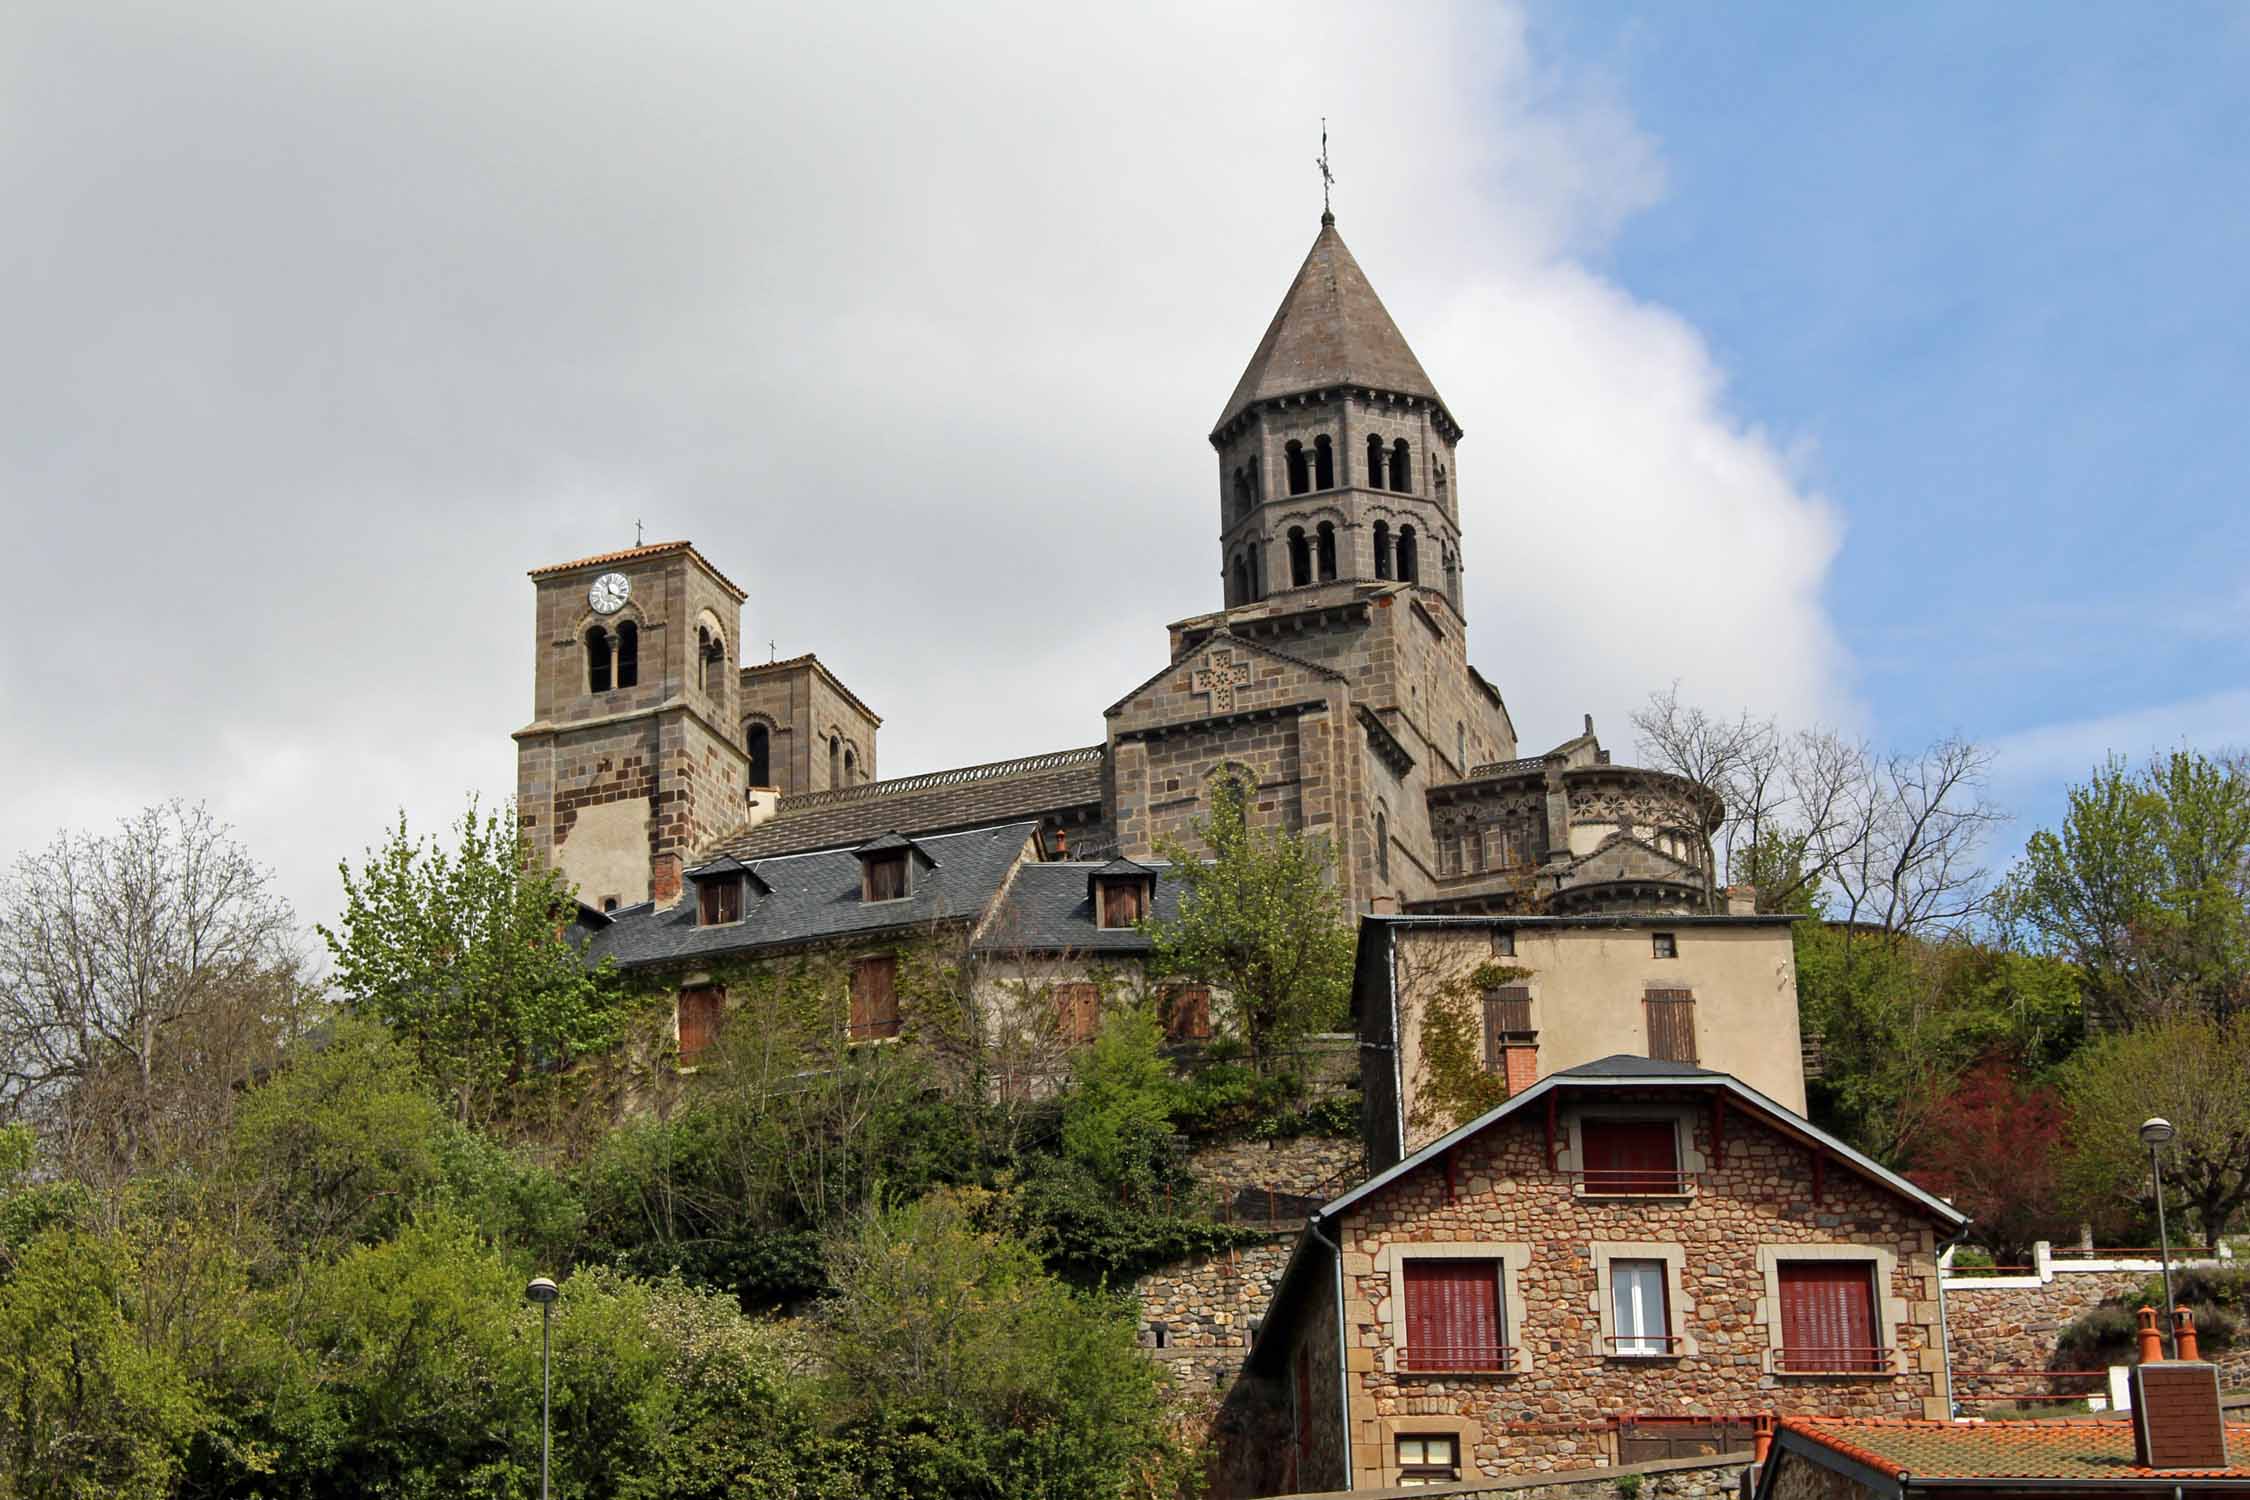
<point>328,321</point>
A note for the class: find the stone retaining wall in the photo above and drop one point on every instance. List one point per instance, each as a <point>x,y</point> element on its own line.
<point>1205,1307</point>
<point>1302,1166</point>
<point>2011,1323</point>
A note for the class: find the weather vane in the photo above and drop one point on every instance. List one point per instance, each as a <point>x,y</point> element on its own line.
<point>1327,178</point>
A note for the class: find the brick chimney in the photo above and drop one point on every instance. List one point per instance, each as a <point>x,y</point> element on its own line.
<point>1742,900</point>
<point>664,879</point>
<point>2177,1423</point>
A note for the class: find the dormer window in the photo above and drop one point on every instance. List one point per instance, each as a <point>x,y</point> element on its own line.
<point>886,868</point>
<point>1122,893</point>
<point>718,902</point>
<point>722,889</point>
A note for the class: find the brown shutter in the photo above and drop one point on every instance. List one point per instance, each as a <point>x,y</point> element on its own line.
<point>1078,1011</point>
<point>886,876</point>
<point>1452,1315</point>
<point>701,1007</point>
<point>874,998</point>
<point>1507,1018</point>
<point>1187,1012</point>
<point>1828,1316</point>
<point>1630,1156</point>
<point>1671,1025</point>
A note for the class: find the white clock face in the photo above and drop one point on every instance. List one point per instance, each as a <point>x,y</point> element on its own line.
<point>609,593</point>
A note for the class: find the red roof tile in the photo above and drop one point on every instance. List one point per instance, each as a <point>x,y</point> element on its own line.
<point>635,554</point>
<point>1999,1450</point>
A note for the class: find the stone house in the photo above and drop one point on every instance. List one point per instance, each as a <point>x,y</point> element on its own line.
<point>1626,1240</point>
<point>1036,947</point>
<point>1543,994</point>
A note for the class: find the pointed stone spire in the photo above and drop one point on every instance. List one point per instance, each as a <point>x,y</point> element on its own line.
<point>1331,330</point>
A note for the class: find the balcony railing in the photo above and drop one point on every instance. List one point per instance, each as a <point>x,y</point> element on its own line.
<point>1423,1358</point>
<point>1633,1182</point>
<point>1644,1343</point>
<point>1832,1359</point>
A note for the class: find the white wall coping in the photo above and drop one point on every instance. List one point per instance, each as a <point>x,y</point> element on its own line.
<point>2046,1266</point>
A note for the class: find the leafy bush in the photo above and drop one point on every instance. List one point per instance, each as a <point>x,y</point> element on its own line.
<point>2218,1297</point>
<point>1093,1236</point>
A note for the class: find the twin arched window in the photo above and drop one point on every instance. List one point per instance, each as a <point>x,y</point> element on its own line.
<point>613,661</point>
<point>710,659</point>
<point>1389,468</point>
<point>1327,549</point>
<point>1314,470</point>
<point>1300,558</point>
<point>1409,568</point>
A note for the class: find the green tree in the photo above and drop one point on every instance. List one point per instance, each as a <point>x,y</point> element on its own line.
<point>2193,1071</point>
<point>1117,1119</point>
<point>1260,921</point>
<point>89,1411</point>
<point>940,1326</point>
<point>2144,887</point>
<point>463,952</point>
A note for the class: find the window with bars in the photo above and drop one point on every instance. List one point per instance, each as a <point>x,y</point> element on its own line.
<point>1828,1319</point>
<point>874,998</point>
<point>1671,1025</point>
<point>1455,1316</point>
<point>701,1009</point>
<point>1639,1310</point>
<point>1664,945</point>
<point>1186,1012</point>
<point>1630,1157</point>
<point>1078,1011</point>
<point>1428,1458</point>
<point>885,876</point>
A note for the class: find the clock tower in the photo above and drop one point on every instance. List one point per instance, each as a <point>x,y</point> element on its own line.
<point>633,756</point>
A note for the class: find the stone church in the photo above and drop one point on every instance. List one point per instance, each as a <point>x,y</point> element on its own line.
<point>1333,685</point>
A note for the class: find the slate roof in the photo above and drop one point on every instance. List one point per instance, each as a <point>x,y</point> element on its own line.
<point>968,797</point>
<point>816,896</point>
<point>1049,910</point>
<point>1911,1450</point>
<point>1331,329</point>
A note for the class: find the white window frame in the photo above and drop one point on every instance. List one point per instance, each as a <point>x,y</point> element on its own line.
<point>1891,1310</point>
<point>1570,1148</point>
<point>1513,1260</point>
<point>1677,1308</point>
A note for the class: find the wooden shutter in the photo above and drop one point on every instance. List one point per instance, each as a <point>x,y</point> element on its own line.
<point>886,876</point>
<point>1187,1012</point>
<point>1631,1156</point>
<point>1078,1011</point>
<point>875,997</point>
<point>701,1007</point>
<point>1121,903</point>
<point>1671,1025</point>
<point>1507,1018</point>
<point>1828,1317</point>
<point>1452,1315</point>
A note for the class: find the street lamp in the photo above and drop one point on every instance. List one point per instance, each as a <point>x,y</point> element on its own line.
<point>544,1292</point>
<point>2155,1132</point>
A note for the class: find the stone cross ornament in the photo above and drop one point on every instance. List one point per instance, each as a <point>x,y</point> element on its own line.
<point>1219,676</point>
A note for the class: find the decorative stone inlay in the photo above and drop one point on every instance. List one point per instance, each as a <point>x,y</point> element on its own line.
<point>1219,676</point>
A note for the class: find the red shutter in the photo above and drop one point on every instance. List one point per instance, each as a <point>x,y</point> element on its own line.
<point>1631,1156</point>
<point>1452,1315</point>
<point>700,1010</point>
<point>1828,1317</point>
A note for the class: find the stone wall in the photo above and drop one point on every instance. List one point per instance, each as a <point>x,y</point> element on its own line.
<point>1296,1167</point>
<point>2002,1330</point>
<point>1718,1478</point>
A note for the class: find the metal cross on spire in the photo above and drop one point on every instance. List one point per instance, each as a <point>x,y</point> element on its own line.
<point>637,533</point>
<point>1327,178</point>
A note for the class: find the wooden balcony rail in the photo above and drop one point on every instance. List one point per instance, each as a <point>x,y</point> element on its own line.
<point>1424,1357</point>
<point>1832,1359</point>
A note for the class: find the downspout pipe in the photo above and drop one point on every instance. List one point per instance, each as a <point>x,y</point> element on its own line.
<point>1343,1372</point>
<point>1944,1330</point>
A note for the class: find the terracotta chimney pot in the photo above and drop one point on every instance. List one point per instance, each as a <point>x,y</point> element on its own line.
<point>1761,1437</point>
<point>2152,1342</point>
<point>2183,1333</point>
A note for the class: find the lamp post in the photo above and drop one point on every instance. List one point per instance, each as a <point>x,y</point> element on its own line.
<point>2155,1132</point>
<point>544,1292</point>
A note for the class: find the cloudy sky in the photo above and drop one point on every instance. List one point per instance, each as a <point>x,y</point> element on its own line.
<point>1876,367</point>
